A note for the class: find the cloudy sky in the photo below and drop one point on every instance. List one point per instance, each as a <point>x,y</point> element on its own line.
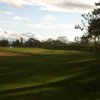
<point>44,18</point>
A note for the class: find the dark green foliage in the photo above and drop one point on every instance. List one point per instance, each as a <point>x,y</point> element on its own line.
<point>16,43</point>
<point>4,43</point>
<point>92,27</point>
<point>32,42</point>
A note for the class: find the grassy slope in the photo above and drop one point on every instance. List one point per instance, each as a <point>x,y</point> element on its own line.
<point>49,75</point>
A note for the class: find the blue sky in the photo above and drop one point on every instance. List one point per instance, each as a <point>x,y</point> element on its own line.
<point>42,18</point>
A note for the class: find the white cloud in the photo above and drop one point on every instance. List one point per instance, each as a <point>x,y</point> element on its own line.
<point>7,12</point>
<point>5,23</point>
<point>67,5</point>
<point>2,33</point>
<point>20,18</point>
<point>50,26</point>
<point>56,5</point>
<point>17,18</point>
<point>50,30</point>
<point>1,30</point>
<point>49,18</point>
<point>14,35</point>
<point>12,2</point>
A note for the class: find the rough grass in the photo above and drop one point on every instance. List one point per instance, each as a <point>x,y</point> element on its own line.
<point>49,75</point>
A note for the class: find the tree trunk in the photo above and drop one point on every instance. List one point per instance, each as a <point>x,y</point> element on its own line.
<point>96,44</point>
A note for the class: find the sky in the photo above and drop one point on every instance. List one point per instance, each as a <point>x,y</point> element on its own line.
<point>42,19</point>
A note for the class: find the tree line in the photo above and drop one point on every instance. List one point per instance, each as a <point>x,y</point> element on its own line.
<point>60,43</point>
<point>33,42</point>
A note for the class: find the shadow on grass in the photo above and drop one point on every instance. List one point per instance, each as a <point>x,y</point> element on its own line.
<point>50,77</point>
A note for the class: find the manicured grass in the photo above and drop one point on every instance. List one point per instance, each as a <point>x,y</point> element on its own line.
<point>49,75</point>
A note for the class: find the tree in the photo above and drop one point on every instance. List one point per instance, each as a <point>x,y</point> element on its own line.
<point>21,41</point>
<point>4,42</point>
<point>16,43</point>
<point>84,40</point>
<point>32,42</point>
<point>92,25</point>
<point>77,39</point>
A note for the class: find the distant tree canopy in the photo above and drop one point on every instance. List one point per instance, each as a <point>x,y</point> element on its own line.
<point>4,42</point>
<point>16,43</point>
<point>32,42</point>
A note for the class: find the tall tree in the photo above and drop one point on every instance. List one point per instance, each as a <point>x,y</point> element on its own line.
<point>92,25</point>
<point>21,41</point>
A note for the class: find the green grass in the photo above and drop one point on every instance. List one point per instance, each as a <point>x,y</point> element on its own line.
<point>49,75</point>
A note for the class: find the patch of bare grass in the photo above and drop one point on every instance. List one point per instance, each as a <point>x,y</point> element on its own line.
<point>4,54</point>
